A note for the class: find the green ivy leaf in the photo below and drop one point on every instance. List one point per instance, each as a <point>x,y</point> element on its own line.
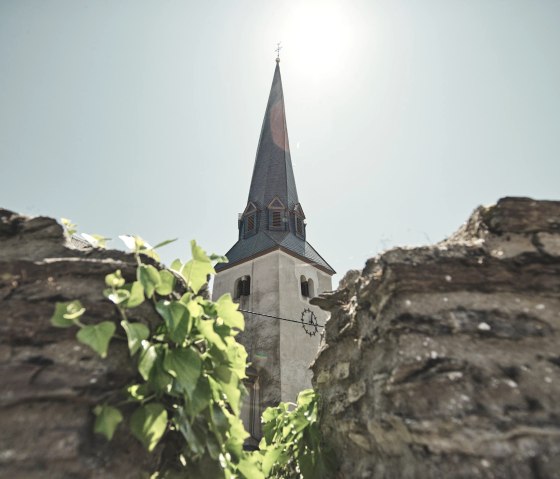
<point>136,333</point>
<point>149,278</point>
<point>114,280</point>
<point>185,365</point>
<point>219,420</point>
<point>193,304</point>
<point>176,265</point>
<point>227,310</point>
<point>213,446</point>
<point>176,317</point>
<point>237,357</point>
<point>248,466</point>
<point>164,243</point>
<point>97,336</point>
<point>66,313</point>
<point>150,367</point>
<point>237,436</point>
<point>270,457</point>
<point>206,328</point>
<point>270,414</point>
<point>117,296</point>
<point>200,398</point>
<point>74,310</point>
<point>107,420</point>
<point>306,397</point>
<point>219,259</point>
<point>193,433</point>
<point>195,309</point>
<point>147,360</point>
<point>148,424</point>
<point>138,391</point>
<point>230,386</point>
<point>198,268</point>
<point>69,227</point>
<point>136,297</point>
<point>160,379</point>
<point>167,283</point>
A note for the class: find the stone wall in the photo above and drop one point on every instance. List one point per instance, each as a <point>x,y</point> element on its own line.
<point>50,382</point>
<point>439,361</point>
<point>444,361</point>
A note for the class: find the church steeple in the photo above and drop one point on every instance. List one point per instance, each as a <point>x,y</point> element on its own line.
<point>273,217</point>
<point>273,177</point>
<point>273,272</point>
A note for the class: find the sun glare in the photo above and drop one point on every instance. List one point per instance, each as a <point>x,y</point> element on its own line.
<point>321,38</point>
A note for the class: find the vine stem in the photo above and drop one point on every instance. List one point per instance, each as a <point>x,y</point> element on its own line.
<point>122,313</point>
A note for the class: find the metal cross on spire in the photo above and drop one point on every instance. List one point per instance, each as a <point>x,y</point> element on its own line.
<point>278,48</point>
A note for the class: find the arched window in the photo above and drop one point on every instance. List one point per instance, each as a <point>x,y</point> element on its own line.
<point>242,287</point>
<point>251,408</point>
<point>310,288</point>
<point>304,285</point>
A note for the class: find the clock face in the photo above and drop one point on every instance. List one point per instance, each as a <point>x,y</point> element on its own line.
<point>309,322</point>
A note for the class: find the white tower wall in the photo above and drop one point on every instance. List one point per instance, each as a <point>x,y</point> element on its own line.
<point>280,351</point>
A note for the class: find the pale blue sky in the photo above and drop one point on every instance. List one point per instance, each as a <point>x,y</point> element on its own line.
<point>143,116</point>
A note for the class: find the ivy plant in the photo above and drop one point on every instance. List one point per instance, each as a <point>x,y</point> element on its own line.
<point>190,367</point>
<point>291,446</point>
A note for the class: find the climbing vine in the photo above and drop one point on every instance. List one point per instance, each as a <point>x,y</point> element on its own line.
<point>292,445</point>
<point>190,368</point>
<point>190,375</point>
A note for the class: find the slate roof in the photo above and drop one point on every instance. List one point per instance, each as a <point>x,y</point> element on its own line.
<point>273,177</point>
<point>273,174</point>
<point>266,241</point>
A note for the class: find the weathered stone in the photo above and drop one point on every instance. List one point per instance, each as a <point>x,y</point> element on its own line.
<point>356,391</point>
<point>342,370</point>
<point>455,369</point>
<point>51,382</point>
<point>550,243</point>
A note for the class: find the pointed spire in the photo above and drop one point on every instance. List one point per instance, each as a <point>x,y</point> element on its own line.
<point>273,175</point>
<point>273,218</point>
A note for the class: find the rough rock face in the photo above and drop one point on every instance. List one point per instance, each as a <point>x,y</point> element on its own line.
<point>444,361</point>
<point>51,382</point>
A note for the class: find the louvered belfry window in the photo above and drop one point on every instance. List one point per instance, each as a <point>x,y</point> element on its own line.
<point>299,225</point>
<point>277,219</point>
<point>250,222</point>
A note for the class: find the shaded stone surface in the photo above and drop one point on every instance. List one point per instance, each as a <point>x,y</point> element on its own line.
<point>444,361</point>
<point>51,382</point>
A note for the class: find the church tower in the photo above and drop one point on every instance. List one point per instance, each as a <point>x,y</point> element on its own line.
<point>273,272</point>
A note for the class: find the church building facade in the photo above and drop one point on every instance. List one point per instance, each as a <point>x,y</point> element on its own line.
<point>273,272</point>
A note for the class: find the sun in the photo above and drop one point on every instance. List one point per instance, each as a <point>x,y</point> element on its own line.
<point>320,37</point>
